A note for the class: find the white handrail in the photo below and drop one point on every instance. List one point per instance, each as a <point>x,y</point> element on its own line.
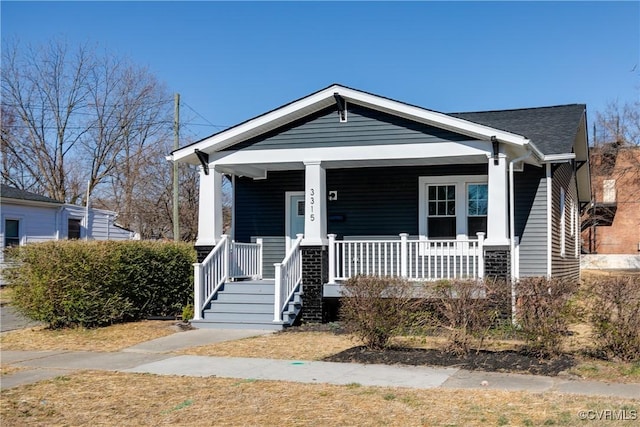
<point>288,275</point>
<point>245,260</point>
<point>210,275</point>
<point>412,259</point>
<point>228,260</point>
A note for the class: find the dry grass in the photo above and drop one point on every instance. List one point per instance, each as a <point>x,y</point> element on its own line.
<point>8,370</point>
<point>116,399</point>
<point>6,295</point>
<point>110,338</point>
<point>288,346</point>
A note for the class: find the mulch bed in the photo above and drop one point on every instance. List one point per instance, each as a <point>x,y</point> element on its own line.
<point>491,361</point>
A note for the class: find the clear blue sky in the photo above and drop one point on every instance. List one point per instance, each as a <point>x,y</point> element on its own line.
<point>233,61</point>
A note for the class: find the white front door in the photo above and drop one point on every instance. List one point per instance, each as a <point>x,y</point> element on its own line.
<point>295,216</point>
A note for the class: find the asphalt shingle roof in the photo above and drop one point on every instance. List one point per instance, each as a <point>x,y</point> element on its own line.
<point>9,192</point>
<point>551,129</point>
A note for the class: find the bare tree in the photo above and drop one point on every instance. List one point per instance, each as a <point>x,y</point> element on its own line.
<point>618,124</point>
<point>46,90</point>
<point>73,118</point>
<point>81,115</point>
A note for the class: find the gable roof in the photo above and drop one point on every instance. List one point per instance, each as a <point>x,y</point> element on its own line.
<point>551,129</point>
<point>546,131</point>
<point>8,192</point>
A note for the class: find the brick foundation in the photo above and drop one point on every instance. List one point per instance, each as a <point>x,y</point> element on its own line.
<point>315,269</point>
<point>497,263</point>
<point>203,251</point>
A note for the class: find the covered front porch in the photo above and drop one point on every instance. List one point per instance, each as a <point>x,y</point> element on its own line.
<point>342,183</point>
<point>237,268</point>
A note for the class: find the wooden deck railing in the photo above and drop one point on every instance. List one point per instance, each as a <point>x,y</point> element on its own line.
<point>412,259</point>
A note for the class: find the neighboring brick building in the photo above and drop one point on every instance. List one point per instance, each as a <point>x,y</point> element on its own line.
<point>612,224</point>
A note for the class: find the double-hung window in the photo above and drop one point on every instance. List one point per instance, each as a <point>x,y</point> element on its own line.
<point>477,207</point>
<point>11,232</point>
<point>442,211</point>
<point>453,207</point>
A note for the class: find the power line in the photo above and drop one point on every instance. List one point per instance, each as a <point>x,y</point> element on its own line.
<point>203,118</point>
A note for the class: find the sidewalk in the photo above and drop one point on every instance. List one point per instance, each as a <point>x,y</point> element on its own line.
<point>155,357</point>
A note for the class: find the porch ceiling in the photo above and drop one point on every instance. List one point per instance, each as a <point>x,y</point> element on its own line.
<point>256,163</point>
<point>261,170</point>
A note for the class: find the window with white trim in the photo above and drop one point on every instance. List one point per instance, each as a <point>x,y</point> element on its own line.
<point>11,232</point>
<point>74,225</point>
<point>441,211</point>
<point>477,207</point>
<point>453,207</point>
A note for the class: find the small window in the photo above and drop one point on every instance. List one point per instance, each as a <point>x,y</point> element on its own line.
<point>477,207</point>
<point>441,211</point>
<point>11,233</point>
<point>74,228</point>
<point>300,207</point>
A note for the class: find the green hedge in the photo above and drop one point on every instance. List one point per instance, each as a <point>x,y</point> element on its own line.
<point>90,284</point>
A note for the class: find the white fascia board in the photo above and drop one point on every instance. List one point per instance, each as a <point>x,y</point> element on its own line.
<point>35,203</point>
<point>327,154</point>
<point>558,158</point>
<point>324,98</point>
<point>260,124</point>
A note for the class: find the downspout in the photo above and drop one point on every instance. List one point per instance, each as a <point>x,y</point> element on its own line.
<point>59,221</point>
<point>512,232</point>
<point>233,207</point>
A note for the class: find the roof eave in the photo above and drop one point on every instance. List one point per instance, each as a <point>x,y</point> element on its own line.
<point>325,98</point>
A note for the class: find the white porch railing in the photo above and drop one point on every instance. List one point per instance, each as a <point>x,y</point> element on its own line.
<point>288,275</point>
<point>245,260</point>
<point>228,260</point>
<point>412,259</point>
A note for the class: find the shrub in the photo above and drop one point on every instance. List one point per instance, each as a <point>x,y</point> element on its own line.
<point>543,313</point>
<point>466,309</point>
<point>89,284</point>
<point>615,316</point>
<point>375,309</point>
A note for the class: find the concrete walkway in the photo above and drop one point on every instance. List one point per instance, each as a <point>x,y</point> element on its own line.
<point>155,357</point>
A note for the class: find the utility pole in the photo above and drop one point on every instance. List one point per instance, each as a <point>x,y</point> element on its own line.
<point>176,145</point>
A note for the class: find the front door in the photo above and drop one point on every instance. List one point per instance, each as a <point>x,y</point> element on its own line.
<point>295,216</point>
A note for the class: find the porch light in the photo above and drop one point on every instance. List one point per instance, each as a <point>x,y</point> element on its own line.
<point>496,149</point>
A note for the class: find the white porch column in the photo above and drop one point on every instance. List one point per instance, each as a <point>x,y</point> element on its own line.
<point>315,206</point>
<point>497,215</point>
<point>210,208</point>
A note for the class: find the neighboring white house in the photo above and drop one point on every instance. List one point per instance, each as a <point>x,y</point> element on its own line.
<point>29,218</point>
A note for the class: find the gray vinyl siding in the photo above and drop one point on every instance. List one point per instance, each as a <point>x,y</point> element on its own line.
<point>531,220</point>
<point>273,250</point>
<point>364,127</point>
<point>260,204</point>
<point>567,266</point>
<point>371,201</point>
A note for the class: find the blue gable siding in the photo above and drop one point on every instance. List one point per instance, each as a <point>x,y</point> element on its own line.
<point>364,127</point>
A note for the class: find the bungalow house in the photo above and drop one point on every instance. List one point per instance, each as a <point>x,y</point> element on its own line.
<point>27,218</point>
<point>344,182</point>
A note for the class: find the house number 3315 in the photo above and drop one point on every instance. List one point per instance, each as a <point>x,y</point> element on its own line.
<point>312,202</point>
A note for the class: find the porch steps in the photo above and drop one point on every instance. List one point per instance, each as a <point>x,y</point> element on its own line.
<point>246,305</point>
